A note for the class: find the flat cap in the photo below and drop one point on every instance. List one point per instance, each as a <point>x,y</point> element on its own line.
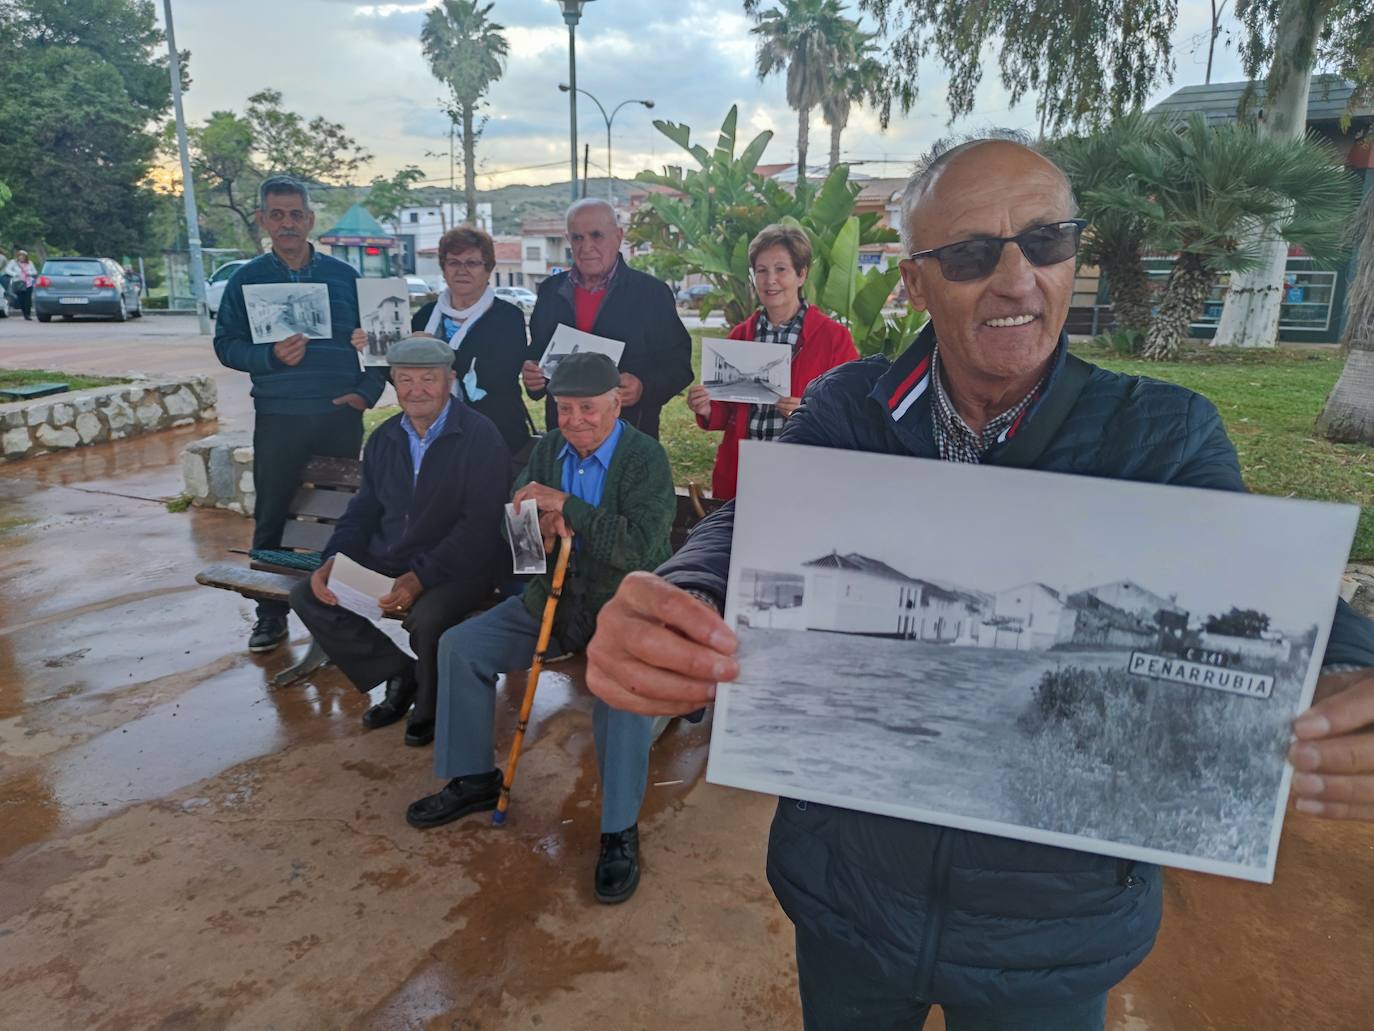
<point>419,352</point>
<point>584,374</point>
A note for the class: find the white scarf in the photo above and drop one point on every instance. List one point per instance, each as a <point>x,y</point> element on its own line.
<point>465,317</point>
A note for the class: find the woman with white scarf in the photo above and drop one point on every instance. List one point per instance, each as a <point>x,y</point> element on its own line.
<point>486,333</point>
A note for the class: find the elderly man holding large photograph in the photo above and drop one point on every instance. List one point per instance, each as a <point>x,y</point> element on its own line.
<point>894,916</point>
<point>602,295</point>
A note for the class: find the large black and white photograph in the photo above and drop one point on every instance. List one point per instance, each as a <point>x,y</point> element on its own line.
<point>568,340</point>
<point>279,310</point>
<point>1090,663</point>
<point>384,314</point>
<point>526,542</point>
<point>746,370</point>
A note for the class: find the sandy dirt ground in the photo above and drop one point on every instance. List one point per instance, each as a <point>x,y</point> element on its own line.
<point>183,847</point>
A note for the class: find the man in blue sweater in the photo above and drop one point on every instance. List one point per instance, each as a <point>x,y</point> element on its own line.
<point>308,394</point>
<point>893,916</point>
<point>428,514</point>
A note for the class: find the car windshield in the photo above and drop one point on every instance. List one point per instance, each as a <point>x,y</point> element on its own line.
<point>73,268</point>
<point>223,272</point>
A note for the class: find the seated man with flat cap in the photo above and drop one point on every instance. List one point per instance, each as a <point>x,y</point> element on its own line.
<point>429,513</point>
<point>609,487</point>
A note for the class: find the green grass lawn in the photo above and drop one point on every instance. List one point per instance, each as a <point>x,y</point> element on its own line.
<point>1269,401</point>
<point>29,377</point>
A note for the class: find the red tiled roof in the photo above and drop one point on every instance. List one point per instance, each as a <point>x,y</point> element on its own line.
<point>507,250</point>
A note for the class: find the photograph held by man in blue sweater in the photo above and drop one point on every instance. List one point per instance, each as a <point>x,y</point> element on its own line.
<point>308,395</point>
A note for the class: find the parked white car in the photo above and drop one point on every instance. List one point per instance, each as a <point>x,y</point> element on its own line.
<point>518,296</point>
<point>214,289</point>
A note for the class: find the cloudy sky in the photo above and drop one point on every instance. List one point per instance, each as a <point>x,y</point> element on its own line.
<point>360,64</point>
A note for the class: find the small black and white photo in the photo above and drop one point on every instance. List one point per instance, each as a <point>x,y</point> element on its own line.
<point>526,542</point>
<point>384,314</point>
<point>568,340</point>
<point>279,310</point>
<point>1089,663</point>
<point>746,370</point>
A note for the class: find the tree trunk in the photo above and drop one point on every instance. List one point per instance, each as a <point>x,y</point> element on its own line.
<point>835,130</point>
<point>1188,285</point>
<point>1128,286</point>
<point>803,138</point>
<point>1250,315</point>
<point>469,165</point>
<point>1349,412</point>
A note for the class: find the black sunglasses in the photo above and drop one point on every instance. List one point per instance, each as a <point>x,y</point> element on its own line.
<point>975,259</point>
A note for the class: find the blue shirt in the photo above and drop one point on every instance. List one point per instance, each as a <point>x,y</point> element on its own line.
<point>419,445</point>
<point>585,478</point>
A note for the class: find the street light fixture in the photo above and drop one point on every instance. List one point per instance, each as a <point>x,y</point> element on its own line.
<point>572,14</point>
<point>610,176</point>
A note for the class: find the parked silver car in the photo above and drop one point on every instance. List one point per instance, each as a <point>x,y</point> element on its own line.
<point>518,296</point>
<point>85,286</point>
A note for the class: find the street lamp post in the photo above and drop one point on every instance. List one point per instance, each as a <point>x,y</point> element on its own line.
<point>188,189</point>
<point>572,14</point>
<point>610,175</point>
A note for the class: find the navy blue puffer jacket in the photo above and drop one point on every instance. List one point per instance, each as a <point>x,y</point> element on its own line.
<point>972,919</point>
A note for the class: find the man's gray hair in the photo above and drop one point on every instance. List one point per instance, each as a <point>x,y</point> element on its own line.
<point>282,184</point>
<point>942,152</point>
<point>588,203</point>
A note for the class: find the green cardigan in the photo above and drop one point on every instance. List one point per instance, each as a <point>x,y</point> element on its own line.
<point>627,531</point>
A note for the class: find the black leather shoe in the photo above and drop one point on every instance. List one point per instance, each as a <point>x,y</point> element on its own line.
<point>460,796</point>
<point>419,733</point>
<point>400,692</point>
<point>268,632</point>
<point>617,868</point>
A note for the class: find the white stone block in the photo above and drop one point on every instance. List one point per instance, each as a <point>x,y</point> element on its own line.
<point>185,420</point>
<point>88,425</point>
<point>246,483</point>
<point>52,436</point>
<point>120,415</point>
<point>85,403</point>
<point>150,414</point>
<point>193,473</point>
<point>38,414</point>
<point>62,415</point>
<point>243,455</point>
<point>181,402</point>
<point>16,441</point>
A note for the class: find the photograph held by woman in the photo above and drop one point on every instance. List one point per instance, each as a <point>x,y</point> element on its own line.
<point>779,259</point>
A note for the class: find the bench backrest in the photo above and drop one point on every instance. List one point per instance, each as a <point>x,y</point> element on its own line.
<point>327,486</point>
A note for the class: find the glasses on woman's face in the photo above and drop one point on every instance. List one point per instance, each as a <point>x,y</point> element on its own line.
<point>975,259</point>
<point>471,267</point>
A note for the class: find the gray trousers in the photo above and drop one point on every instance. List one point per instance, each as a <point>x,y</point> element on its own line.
<point>471,656</point>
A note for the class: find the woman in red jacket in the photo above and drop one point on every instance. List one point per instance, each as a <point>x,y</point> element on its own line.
<point>780,257</point>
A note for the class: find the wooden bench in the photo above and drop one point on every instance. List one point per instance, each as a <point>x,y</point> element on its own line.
<point>327,486</point>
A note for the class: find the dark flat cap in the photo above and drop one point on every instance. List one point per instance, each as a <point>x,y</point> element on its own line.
<point>419,352</point>
<point>584,374</point>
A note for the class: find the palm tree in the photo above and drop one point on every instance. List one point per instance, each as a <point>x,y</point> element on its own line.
<point>1210,193</point>
<point>467,53</point>
<point>854,79</point>
<point>1349,412</point>
<point>805,37</point>
<point>1118,237</point>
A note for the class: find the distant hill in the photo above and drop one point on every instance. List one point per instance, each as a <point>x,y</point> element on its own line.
<point>511,205</point>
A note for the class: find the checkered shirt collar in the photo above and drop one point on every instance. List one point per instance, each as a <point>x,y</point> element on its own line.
<point>958,443</point>
<point>605,283</point>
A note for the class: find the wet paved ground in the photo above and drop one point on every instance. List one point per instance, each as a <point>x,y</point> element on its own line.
<point>183,847</point>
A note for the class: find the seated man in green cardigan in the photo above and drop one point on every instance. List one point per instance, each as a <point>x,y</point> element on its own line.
<point>609,487</point>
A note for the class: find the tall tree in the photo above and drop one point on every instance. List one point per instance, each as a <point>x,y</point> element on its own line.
<point>1349,412</point>
<point>855,78</point>
<point>1285,41</point>
<point>386,197</point>
<point>82,86</point>
<point>1118,237</point>
<point>1210,191</point>
<point>467,52</point>
<point>806,38</point>
<point>231,154</point>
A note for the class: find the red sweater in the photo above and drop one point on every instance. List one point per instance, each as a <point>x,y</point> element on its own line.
<point>824,344</point>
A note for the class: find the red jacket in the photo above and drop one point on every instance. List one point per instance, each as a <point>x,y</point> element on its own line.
<point>824,344</point>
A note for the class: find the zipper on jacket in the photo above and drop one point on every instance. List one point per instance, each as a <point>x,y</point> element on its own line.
<point>935,918</point>
<point>1125,873</point>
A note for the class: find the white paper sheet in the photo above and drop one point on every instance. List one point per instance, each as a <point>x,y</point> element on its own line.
<point>279,310</point>
<point>384,314</point>
<point>358,589</point>
<point>567,340</point>
<point>526,542</point>
<point>746,370</point>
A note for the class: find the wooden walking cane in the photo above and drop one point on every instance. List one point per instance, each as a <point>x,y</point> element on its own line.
<point>532,681</point>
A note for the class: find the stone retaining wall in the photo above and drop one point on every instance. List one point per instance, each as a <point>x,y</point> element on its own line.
<point>218,471</point>
<point>82,417</point>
